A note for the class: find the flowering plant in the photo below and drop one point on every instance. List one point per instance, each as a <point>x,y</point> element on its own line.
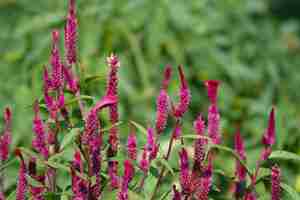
<point>98,171</point>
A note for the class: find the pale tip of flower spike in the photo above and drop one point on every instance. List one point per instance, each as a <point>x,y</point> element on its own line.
<point>212,90</point>
<point>113,61</point>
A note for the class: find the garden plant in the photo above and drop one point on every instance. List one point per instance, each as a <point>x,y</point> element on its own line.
<point>74,141</point>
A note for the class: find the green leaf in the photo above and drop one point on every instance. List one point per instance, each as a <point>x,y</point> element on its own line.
<point>284,155</point>
<point>8,163</point>
<point>52,196</point>
<point>69,138</point>
<point>57,165</point>
<point>94,78</point>
<point>166,164</point>
<point>12,196</point>
<point>114,125</point>
<point>139,127</point>
<point>291,191</point>
<point>194,136</point>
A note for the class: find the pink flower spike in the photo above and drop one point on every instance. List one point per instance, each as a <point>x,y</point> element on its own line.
<point>212,90</point>
<point>213,124</point>
<point>167,77</point>
<point>132,146</point>
<point>184,96</point>
<point>184,171</point>
<point>5,139</point>
<point>71,34</point>
<point>77,161</point>
<point>150,139</point>
<point>113,174</point>
<point>199,125</point>
<point>275,180</point>
<point>22,182</point>
<point>176,193</point>
<point>71,80</point>
<point>250,196</point>
<point>144,163</point>
<point>177,131</point>
<point>162,109</point>
<point>269,136</point>
<point>128,171</point>
<point>205,183</point>
<point>47,80</point>
<point>57,73</point>
<point>240,150</point>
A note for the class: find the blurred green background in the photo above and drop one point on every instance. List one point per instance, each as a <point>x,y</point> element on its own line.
<point>252,46</point>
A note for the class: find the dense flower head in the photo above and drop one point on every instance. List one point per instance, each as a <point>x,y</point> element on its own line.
<point>144,163</point>
<point>57,71</point>
<point>92,126</point>
<point>162,109</point>
<point>275,181</point>
<point>212,90</point>
<point>240,150</point>
<point>176,193</point>
<point>269,136</point>
<point>71,34</point>
<point>213,124</point>
<point>132,146</point>
<point>205,183</point>
<point>128,170</point>
<point>113,174</point>
<point>22,181</point>
<point>200,151</point>
<point>184,171</point>
<point>150,139</point>
<point>199,125</point>
<point>71,80</point>
<point>177,131</point>
<point>250,196</point>
<point>184,96</point>
<point>5,138</point>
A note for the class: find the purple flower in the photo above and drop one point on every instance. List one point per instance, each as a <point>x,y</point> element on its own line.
<point>92,126</point>
<point>184,96</point>
<point>5,139</point>
<point>199,151</point>
<point>47,80</point>
<point>128,171</point>
<point>269,136</point>
<point>184,171</point>
<point>35,191</point>
<point>162,102</point>
<point>77,161</point>
<point>57,72</point>
<point>275,180</point>
<point>213,125</point>
<point>199,125</point>
<point>212,90</point>
<point>150,139</point>
<point>240,150</point>
<point>144,163</point>
<point>2,197</point>
<point>50,104</point>
<point>205,183</point>
<point>250,196</point>
<point>176,193</point>
<point>112,90</point>
<point>71,34</point>
<point>39,142</point>
<point>22,182</point>
<point>177,131</point>
<point>132,146</point>
<point>113,174</point>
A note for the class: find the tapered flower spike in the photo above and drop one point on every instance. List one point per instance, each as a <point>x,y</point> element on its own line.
<point>199,125</point>
<point>177,131</point>
<point>176,193</point>
<point>39,142</point>
<point>162,102</point>
<point>275,180</point>
<point>128,171</point>
<point>144,163</point>
<point>71,80</point>
<point>71,34</point>
<point>5,138</point>
<point>213,124</point>
<point>212,90</point>
<point>132,146</point>
<point>150,139</point>
<point>184,96</point>
<point>113,174</point>
<point>57,72</point>
<point>47,80</point>
<point>112,90</point>
<point>22,181</point>
<point>240,150</point>
<point>250,196</point>
<point>77,161</point>
<point>92,126</point>
<point>184,171</point>
<point>205,183</point>
<point>269,136</point>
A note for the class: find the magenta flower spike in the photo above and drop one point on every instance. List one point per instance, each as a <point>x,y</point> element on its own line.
<point>162,102</point>
<point>269,136</point>
<point>212,90</point>
<point>5,139</point>
<point>2,197</point>
<point>213,125</point>
<point>275,180</point>
<point>22,181</point>
<point>39,143</point>
<point>71,80</point>
<point>128,171</point>
<point>57,73</point>
<point>240,150</point>
<point>132,146</point>
<point>150,139</point>
<point>205,183</point>
<point>199,125</point>
<point>92,126</point>
<point>184,171</point>
<point>47,80</point>
<point>250,196</point>
<point>113,174</point>
<point>77,161</point>
<point>199,145</point>
<point>176,193</point>
<point>177,131</point>
<point>71,34</point>
<point>112,90</point>
<point>184,96</point>
<point>50,104</point>
<point>144,163</point>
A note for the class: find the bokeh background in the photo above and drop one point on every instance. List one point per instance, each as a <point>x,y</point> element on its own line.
<point>252,46</point>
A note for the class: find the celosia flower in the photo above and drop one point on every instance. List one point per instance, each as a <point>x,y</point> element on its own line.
<point>176,194</point>
<point>144,163</point>
<point>275,180</point>
<point>199,125</point>
<point>162,102</point>
<point>79,186</point>
<point>71,34</point>
<point>250,196</point>
<point>184,171</point>
<point>150,139</point>
<point>127,177</point>
<point>205,183</point>
<point>5,139</point>
<point>154,152</point>
<point>112,90</point>
<point>39,142</point>
<point>47,80</point>
<point>132,146</point>
<point>212,90</point>
<point>199,151</point>
<point>92,126</point>
<point>95,154</point>
<point>213,124</point>
<point>113,174</point>
<point>71,80</point>
<point>177,131</point>
<point>50,104</point>
<point>240,150</point>
<point>184,96</point>
<point>22,181</point>
<point>35,191</point>
<point>57,72</point>
<point>77,161</point>
<point>269,136</point>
